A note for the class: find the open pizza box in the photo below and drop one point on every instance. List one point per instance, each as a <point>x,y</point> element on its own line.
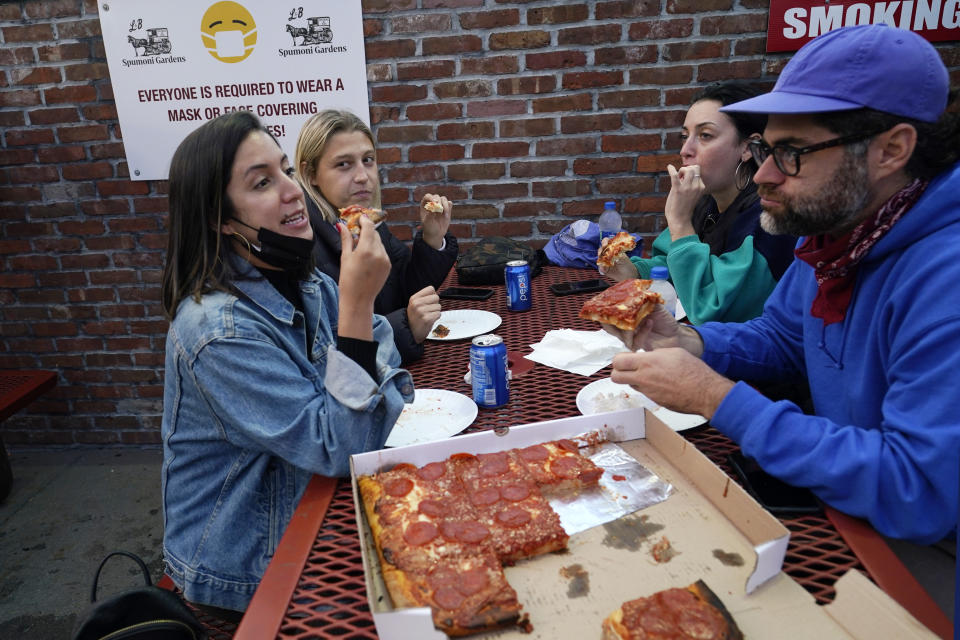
<point>717,532</point>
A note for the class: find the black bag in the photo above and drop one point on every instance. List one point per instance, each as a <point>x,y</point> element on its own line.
<point>484,262</point>
<point>144,613</point>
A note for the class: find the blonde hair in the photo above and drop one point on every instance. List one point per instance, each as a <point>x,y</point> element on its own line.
<point>314,137</point>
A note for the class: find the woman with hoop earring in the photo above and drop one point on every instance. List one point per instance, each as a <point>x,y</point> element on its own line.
<point>722,264</point>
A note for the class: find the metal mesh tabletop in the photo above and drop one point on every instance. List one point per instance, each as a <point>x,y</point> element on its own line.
<point>329,600</point>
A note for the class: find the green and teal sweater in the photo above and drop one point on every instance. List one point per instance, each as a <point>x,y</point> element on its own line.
<point>726,272</point>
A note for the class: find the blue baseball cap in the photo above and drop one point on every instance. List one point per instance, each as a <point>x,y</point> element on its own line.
<point>876,66</point>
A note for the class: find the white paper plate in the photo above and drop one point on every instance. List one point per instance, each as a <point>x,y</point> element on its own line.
<point>435,414</point>
<point>587,400</point>
<point>465,323</point>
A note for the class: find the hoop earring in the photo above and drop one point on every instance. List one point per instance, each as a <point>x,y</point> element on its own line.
<point>743,175</point>
<point>245,241</point>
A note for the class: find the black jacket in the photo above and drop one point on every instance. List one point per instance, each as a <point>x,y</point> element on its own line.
<point>411,270</point>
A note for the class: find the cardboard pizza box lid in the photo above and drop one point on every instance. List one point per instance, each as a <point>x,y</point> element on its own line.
<point>716,530</point>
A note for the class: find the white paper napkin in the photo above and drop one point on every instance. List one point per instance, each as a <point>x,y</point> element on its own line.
<point>582,352</point>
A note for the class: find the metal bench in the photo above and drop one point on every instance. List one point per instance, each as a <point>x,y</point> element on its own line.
<point>17,390</point>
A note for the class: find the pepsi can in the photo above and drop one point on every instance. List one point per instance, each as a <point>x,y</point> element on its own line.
<point>488,371</point>
<point>517,275</point>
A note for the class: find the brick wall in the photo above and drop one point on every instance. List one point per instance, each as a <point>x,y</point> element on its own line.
<point>529,114</point>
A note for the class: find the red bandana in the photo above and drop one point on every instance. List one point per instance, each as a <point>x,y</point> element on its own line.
<point>835,260</point>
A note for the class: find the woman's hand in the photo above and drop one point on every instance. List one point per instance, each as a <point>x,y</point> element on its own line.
<point>659,330</point>
<point>364,268</point>
<point>686,188</point>
<point>622,269</point>
<point>674,379</point>
<point>423,311</point>
<point>435,225</point>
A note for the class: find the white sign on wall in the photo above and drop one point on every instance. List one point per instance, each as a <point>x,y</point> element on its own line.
<point>175,64</point>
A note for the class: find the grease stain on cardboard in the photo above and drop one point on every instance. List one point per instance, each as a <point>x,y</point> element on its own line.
<point>629,532</point>
<point>579,580</point>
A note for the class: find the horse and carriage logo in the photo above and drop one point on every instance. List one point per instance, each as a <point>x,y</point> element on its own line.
<point>156,43</point>
<point>317,31</point>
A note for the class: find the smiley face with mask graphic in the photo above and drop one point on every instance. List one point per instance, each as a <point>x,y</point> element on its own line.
<point>272,373</point>
<point>228,31</point>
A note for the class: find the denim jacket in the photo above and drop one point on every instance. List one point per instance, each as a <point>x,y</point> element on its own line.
<point>249,414</point>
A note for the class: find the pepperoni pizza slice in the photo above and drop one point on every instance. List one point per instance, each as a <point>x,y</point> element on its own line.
<point>510,505</point>
<point>614,248</point>
<point>693,613</point>
<point>466,594</point>
<point>558,468</point>
<point>624,305</point>
<point>351,216</point>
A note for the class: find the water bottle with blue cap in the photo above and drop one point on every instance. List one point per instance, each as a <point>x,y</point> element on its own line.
<point>610,222</point>
<point>661,284</point>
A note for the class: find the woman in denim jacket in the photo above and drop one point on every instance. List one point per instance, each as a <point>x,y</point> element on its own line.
<point>271,376</point>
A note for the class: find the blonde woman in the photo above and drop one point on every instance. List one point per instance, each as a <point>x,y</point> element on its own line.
<point>336,160</point>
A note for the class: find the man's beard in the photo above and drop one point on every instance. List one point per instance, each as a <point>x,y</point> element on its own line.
<point>837,208</point>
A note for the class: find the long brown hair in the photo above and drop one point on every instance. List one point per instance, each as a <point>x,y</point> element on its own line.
<point>197,254</point>
<point>314,138</point>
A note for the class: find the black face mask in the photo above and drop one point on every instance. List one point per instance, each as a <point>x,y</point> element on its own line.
<point>289,253</point>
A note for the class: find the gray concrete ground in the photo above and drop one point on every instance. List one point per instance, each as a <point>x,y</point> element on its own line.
<point>66,511</point>
<point>69,508</point>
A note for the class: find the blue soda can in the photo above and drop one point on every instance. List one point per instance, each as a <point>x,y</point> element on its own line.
<point>488,371</point>
<point>517,275</point>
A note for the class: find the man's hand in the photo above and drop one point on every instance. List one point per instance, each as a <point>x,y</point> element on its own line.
<point>423,311</point>
<point>673,378</point>
<point>364,268</point>
<point>659,330</point>
<point>435,225</point>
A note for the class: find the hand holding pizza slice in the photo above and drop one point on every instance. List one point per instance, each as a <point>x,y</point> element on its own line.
<point>614,249</point>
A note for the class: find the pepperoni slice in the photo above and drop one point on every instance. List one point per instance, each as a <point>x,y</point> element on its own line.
<point>677,599</point>
<point>420,533</point>
<point>513,517</point>
<point>567,445</point>
<point>448,598</point>
<point>699,621</point>
<point>482,497</point>
<point>535,453</point>
<point>472,581</point>
<point>565,467</point>
<point>432,508</point>
<point>515,492</point>
<point>398,487</point>
<point>442,577</point>
<point>493,464</point>
<point>471,532</point>
<point>431,471</point>
<point>589,476</point>
<point>404,466</point>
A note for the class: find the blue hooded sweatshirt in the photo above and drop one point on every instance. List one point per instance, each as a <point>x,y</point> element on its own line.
<point>885,441</point>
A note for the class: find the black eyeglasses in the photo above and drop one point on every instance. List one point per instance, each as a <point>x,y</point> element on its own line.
<point>787,158</point>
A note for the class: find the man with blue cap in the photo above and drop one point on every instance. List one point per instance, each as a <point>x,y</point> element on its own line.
<point>859,158</point>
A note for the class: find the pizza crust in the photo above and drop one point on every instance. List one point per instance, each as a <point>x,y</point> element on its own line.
<point>433,206</point>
